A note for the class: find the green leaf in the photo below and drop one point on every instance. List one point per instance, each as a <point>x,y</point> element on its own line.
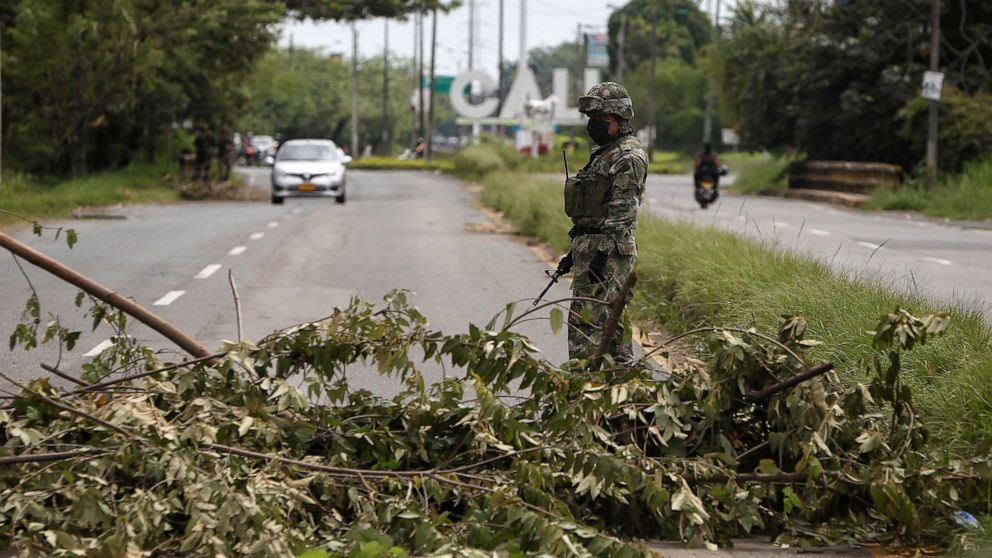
<point>557,320</point>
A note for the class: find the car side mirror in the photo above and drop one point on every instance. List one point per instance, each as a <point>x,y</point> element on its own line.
<point>346,159</point>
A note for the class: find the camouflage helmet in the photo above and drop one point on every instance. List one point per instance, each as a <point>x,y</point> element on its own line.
<point>608,97</point>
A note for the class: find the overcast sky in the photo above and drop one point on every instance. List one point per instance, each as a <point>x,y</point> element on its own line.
<point>549,23</point>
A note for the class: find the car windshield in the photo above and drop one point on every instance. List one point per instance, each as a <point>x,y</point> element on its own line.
<point>307,153</point>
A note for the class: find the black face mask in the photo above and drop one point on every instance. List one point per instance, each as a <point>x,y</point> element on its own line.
<point>599,131</point>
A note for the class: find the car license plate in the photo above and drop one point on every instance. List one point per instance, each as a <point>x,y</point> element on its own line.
<point>706,184</point>
<point>307,187</point>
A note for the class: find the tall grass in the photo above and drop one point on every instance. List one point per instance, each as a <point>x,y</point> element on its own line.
<point>966,195</point>
<point>760,175</point>
<point>692,276</point>
<point>39,198</point>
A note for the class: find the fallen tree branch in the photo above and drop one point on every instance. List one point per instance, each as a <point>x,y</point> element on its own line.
<point>52,456</point>
<point>108,383</point>
<point>101,292</point>
<point>63,375</point>
<point>613,317</point>
<point>799,378</point>
<point>237,303</point>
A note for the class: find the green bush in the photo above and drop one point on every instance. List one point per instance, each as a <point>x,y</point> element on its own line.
<point>477,161</point>
<point>757,177</point>
<point>965,195</point>
<point>965,127</point>
<point>391,163</point>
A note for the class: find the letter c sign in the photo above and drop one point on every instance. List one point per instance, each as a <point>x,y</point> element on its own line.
<point>462,105</point>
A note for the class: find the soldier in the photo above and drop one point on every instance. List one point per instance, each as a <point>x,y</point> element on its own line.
<point>602,200</point>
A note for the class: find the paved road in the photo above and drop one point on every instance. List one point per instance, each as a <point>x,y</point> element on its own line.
<point>291,263</point>
<point>947,260</point>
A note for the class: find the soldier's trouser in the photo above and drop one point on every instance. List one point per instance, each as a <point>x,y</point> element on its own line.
<point>601,277</point>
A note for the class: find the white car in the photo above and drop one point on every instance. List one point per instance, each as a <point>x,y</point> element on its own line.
<point>309,168</point>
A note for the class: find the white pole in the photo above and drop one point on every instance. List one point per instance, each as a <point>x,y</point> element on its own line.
<point>523,33</point>
<point>354,90</point>
<point>471,34</point>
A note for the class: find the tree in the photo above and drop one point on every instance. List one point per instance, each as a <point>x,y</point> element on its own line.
<point>683,26</point>
<point>91,81</point>
<point>834,79</point>
<point>304,94</point>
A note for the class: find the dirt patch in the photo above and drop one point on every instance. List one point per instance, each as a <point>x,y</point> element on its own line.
<point>219,191</point>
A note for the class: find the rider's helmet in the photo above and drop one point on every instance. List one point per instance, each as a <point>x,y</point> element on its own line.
<point>608,97</point>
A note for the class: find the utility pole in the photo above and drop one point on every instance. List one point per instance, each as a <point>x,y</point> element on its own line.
<point>385,88</point>
<point>420,76</point>
<point>523,34</point>
<point>932,125</point>
<point>1,109</point>
<point>471,34</point>
<point>416,85</point>
<point>354,89</point>
<point>621,37</point>
<point>500,58</point>
<point>579,43</point>
<point>711,82</point>
<point>653,52</point>
<point>430,118</point>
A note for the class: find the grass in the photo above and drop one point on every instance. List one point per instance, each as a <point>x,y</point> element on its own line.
<point>966,195</point>
<point>392,163</point>
<point>37,199</point>
<point>757,173</point>
<point>692,276</point>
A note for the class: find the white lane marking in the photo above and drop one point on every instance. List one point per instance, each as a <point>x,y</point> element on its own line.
<point>237,250</point>
<point>273,224</point>
<point>102,346</point>
<point>169,298</point>
<point>742,218</point>
<point>940,261</point>
<point>781,224</point>
<point>819,232</point>
<point>296,211</point>
<point>207,271</point>
<point>868,245</point>
<point>256,236</point>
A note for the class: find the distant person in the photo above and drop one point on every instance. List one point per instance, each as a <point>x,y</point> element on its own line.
<point>202,144</point>
<point>250,149</point>
<point>706,158</point>
<point>367,150</point>
<point>226,154</point>
<point>418,150</point>
<point>706,176</point>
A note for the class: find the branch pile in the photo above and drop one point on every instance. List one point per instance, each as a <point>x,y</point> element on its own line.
<point>266,450</point>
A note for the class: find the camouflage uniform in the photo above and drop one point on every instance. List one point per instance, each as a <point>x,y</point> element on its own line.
<point>602,200</point>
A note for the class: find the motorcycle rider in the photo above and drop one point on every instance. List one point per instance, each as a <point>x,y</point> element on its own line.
<point>707,168</point>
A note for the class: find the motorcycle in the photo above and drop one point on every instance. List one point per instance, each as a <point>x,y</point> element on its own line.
<point>707,183</point>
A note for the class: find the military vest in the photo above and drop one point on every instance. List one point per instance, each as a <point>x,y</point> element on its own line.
<point>590,190</point>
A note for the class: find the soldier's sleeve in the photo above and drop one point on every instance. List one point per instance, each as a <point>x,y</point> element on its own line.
<point>628,173</point>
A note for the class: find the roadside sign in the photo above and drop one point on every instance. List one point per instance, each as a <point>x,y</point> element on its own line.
<point>933,82</point>
<point>596,53</point>
<point>729,137</point>
<point>442,84</point>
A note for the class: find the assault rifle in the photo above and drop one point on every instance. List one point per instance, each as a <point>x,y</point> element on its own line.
<point>565,265</point>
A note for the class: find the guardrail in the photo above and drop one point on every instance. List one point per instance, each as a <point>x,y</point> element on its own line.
<point>844,176</point>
